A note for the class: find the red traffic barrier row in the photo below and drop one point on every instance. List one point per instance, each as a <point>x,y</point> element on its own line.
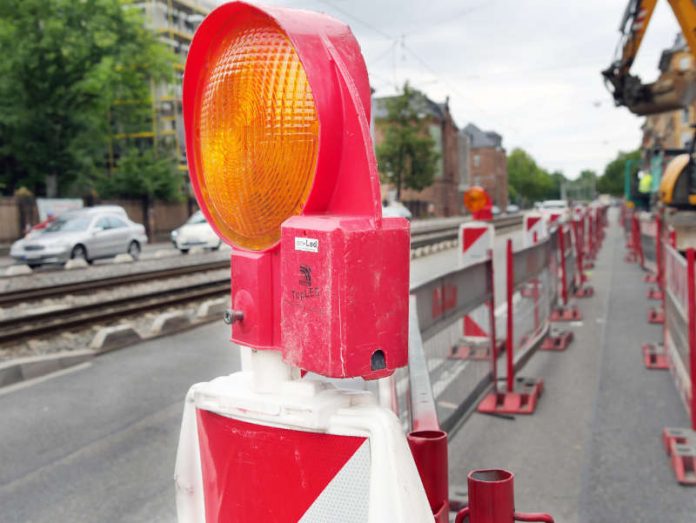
<point>540,280</point>
<point>653,245</point>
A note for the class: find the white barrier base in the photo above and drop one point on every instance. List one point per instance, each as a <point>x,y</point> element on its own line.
<point>388,475</point>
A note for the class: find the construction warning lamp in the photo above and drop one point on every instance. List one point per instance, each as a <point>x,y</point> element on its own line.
<point>478,203</point>
<point>277,111</point>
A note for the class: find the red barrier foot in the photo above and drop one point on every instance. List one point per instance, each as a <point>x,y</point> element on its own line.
<point>558,340</point>
<point>650,278</point>
<point>631,257</point>
<point>588,265</point>
<point>477,350</point>
<point>586,291</point>
<point>656,294</point>
<point>680,445</point>
<point>523,400</point>
<point>567,313</point>
<point>655,357</point>
<point>656,315</point>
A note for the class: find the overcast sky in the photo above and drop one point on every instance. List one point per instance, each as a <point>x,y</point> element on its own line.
<point>528,69</point>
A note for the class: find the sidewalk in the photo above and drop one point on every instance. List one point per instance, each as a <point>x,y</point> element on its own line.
<point>592,452</point>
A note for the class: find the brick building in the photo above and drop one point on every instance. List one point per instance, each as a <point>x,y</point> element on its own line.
<point>442,198</point>
<point>487,163</point>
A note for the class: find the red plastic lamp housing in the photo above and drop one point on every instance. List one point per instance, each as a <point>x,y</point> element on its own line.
<point>276,110</point>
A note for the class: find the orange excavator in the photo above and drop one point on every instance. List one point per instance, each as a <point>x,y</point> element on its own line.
<point>674,89</point>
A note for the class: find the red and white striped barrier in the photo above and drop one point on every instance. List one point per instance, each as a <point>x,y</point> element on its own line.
<point>534,228</point>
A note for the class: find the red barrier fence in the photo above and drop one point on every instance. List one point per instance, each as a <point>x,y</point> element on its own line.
<point>675,275</point>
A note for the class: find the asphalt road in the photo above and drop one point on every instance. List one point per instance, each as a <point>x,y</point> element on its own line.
<point>98,444</point>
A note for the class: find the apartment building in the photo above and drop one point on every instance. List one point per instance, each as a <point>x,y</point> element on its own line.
<point>174,22</point>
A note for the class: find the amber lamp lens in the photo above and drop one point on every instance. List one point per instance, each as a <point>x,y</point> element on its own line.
<point>475,199</point>
<point>257,134</point>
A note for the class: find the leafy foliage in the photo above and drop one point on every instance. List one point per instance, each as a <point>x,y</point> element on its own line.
<point>67,64</point>
<point>528,182</point>
<point>612,181</point>
<point>407,156</point>
<point>141,173</point>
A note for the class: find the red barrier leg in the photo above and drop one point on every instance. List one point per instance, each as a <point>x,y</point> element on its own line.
<point>492,499</point>
<point>521,394</point>
<point>429,450</point>
<point>655,356</point>
<point>582,290</point>
<point>564,312</point>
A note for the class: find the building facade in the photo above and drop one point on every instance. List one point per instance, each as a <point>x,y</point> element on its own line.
<point>174,22</point>
<point>487,163</point>
<point>443,197</point>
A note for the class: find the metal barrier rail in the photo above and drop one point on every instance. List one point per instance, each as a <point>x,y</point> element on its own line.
<point>456,380</point>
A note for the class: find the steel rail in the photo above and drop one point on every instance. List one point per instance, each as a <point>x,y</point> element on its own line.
<point>12,297</point>
<point>58,320</point>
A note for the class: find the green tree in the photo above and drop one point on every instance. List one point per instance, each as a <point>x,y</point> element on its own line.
<point>67,65</point>
<point>612,180</point>
<point>407,156</point>
<point>529,181</point>
<point>583,187</point>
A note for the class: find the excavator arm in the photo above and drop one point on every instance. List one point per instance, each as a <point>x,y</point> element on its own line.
<point>674,89</point>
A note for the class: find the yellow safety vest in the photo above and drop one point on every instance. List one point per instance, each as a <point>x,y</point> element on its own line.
<point>645,184</point>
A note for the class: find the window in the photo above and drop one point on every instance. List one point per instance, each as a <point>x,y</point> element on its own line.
<point>477,160</point>
<point>685,115</point>
<point>115,223</point>
<point>102,223</point>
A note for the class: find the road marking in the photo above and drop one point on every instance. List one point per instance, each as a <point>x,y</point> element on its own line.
<point>40,379</point>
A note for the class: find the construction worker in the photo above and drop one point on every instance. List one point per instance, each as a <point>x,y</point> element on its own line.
<point>644,189</point>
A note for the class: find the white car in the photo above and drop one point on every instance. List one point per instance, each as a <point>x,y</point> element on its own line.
<point>551,208</point>
<point>196,232</point>
<point>396,210</point>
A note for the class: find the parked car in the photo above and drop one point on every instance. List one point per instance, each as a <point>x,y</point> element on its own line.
<point>196,232</point>
<point>91,233</point>
<point>495,210</point>
<point>396,210</point>
<point>512,209</point>
<point>552,207</point>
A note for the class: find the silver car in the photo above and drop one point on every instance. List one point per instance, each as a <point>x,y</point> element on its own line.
<point>88,234</point>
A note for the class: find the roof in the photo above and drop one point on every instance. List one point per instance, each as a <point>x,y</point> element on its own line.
<point>481,138</point>
<point>425,106</point>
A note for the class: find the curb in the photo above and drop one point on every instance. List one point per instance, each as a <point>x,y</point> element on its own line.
<point>23,369</point>
<point>107,340</point>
